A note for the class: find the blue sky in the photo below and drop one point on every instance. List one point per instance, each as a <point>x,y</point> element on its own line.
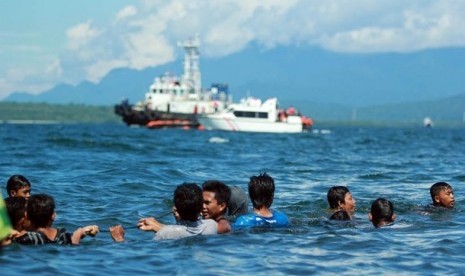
<point>44,43</point>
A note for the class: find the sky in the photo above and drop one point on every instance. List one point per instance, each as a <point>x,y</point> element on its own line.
<point>47,42</point>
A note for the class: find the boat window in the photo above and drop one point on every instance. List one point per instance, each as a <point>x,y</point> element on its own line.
<point>250,114</point>
<point>263,115</point>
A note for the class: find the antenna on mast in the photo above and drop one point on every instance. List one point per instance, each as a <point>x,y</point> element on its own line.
<point>191,62</point>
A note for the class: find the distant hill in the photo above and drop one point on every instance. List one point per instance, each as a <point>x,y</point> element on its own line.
<point>449,110</point>
<point>444,112</point>
<point>293,75</point>
<point>69,113</point>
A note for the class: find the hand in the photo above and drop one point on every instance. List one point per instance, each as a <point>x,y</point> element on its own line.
<point>91,230</point>
<point>117,233</point>
<point>149,224</point>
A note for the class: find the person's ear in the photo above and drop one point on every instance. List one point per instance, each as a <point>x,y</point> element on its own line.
<point>393,218</point>
<point>370,217</point>
<point>54,216</point>
<point>436,199</point>
<point>13,193</point>
<point>223,206</point>
<point>339,203</point>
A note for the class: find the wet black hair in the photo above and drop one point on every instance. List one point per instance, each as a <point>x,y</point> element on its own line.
<point>335,195</point>
<point>16,182</point>
<point>382,210</point>
<point>437,187</point>
<point>16,208</point>
<point>40,209</point>
<point>188,200</point>
<point>261,190</point>
<point>221,190</point>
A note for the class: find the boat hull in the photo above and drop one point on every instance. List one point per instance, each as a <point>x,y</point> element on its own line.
<point>155,119</point>
<point>218,122</point>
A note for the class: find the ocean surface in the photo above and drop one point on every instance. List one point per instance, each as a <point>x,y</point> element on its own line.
<point>113,174</point>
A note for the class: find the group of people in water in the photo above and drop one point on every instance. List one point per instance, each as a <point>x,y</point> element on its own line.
<point>214,208</point>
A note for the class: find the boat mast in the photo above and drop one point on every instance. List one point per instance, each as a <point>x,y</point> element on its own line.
<point>191,63</point>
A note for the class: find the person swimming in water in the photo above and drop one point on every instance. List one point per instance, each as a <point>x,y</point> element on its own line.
<point>442,195</point>
<point>381,213</point>
<point>261,192</point>
<point>216,196</point>
<point>340,198</point>
<point>18,186</point>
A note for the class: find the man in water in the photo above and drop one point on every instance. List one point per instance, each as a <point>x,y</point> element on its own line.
<point>188,204</point>
<point>261,192</point>
<point>216,196</point>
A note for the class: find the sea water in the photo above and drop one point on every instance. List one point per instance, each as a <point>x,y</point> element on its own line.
<point>112,174</point>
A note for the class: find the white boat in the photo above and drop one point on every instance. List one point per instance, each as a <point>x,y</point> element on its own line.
<point>251,115</point>
<point>173,101</point>
<point>427,122</point>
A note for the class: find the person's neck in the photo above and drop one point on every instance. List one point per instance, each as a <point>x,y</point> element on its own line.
<point>383,223</point>
<point>263,212</point>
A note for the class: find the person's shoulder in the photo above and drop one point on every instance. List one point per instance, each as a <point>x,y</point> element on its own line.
<point>62,237</point>
<point>245,220</point>
<point>280,217</point>
<point>211,226</point>
<point>31,238</point>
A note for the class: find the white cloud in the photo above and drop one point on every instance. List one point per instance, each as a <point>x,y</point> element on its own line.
<point>81,35</point>
<point>126,12</point>
<point>98,70</point>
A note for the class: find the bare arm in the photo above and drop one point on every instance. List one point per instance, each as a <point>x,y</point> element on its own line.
<point>224,226</point>
<point>150,224</point>
<point>81,232</point>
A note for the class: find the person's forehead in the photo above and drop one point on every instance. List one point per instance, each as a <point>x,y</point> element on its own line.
<point>445,190</point>
<point>209,194</point>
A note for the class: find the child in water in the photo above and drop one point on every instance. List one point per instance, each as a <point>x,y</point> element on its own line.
<point>340,198</point>
<point>40,211</point>
<point>442,195</point>
<point>261,192</point>
<point>18,186</point>
<point>381,213</point>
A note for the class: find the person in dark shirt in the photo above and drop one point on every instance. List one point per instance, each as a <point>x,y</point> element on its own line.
<point>40,212</point>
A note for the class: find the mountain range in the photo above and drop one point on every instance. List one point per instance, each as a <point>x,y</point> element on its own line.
<point>320,83</point>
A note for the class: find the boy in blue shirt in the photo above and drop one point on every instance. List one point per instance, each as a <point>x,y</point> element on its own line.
<point>261,192</point>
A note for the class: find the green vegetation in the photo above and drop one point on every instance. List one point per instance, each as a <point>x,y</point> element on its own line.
<point>71,113</point>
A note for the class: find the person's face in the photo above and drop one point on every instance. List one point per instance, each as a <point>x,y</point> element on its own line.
<point>22,192</point>
<point>349,203</point>
<point>445,198</point>
<point>211,208</point>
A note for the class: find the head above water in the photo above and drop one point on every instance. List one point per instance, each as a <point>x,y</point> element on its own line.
<point>382,212</point>
<point>188,200</point>
<point>261,191</point>
<point>18,185</point>
<point>216,196</point>
<point>16,208</point>
<point>442,195</point>
<point>340,198</point>
<point>41,210</point>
